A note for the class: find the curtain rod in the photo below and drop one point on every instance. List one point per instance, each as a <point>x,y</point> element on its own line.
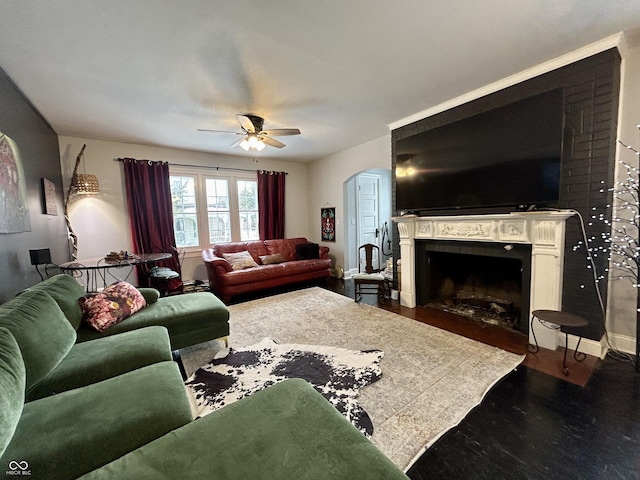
<point>208,166</point>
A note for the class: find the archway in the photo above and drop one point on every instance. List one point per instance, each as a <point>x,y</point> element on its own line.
<point>367,212</point>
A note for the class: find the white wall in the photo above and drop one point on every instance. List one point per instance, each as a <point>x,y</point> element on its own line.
<point>102,223</point>
<point>326,179</point>
<point>621,305</point>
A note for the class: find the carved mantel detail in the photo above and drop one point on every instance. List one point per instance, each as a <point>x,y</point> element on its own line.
<point>465,229</point>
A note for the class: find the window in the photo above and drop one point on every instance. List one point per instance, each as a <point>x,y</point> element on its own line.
<point>218,209</point>
<point>209,209</point>
<point>248,209</point>
<point>185,217</point>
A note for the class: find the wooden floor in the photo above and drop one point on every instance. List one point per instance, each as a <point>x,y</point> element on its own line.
<point>536,423</point>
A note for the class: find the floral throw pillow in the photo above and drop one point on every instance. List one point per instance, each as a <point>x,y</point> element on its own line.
<point>104,309</point>
<point>240,260</point>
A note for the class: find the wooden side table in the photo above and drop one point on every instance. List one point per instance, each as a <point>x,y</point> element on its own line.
<point>559,319</point>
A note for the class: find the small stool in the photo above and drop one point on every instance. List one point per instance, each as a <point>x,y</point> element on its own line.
<point>562,319</point>
<point>163,279</point>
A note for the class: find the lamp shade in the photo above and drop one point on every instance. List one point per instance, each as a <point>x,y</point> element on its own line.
<point>41,256</point>
<point>85,184</point>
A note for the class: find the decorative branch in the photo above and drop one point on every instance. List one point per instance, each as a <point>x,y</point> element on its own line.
<point>74,237</point>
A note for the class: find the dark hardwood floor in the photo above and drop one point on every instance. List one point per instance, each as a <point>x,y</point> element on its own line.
<point>533,425</point>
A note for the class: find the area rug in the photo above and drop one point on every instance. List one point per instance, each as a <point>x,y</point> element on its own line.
<point>337,373</point>
<point>430,380</point>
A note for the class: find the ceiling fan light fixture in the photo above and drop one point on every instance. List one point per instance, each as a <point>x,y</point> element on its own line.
<point>252,142</point>
<point>255,138</point>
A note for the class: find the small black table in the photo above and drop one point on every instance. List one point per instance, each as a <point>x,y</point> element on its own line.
<point>560,319</point>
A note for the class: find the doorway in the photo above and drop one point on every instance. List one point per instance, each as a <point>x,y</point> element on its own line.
<point>367,200</point>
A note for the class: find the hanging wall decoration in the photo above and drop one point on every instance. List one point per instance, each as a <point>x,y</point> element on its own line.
<point>328,217</point>
<point>49,197</point>
<point>13,190</point>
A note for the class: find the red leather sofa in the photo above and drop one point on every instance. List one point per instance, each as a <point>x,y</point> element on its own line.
<point>225,282</point>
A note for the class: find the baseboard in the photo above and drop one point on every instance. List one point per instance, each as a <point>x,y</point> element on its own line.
<point>594,348</point>
<point>350,273</point>
<point>623,343</point>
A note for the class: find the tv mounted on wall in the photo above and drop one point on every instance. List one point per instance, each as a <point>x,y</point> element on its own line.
<point>508,157</point>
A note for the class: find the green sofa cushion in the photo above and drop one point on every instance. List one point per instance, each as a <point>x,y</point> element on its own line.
<point>72,433</point>
<point>151,295</point>
<point>66,291</point>
<point>288,431</point>
<point>190,319</point>
<point>104,358</point>
<point>12,380</point>
<point>42,331</point>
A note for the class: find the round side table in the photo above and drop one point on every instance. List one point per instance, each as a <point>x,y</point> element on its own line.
<point>559,319</point>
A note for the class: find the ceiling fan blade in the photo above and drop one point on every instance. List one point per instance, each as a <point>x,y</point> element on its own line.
<point>280,132</point>
<point>236,143</point>
<point>219,131</point>
<point>272,142</point>
<point>246,123</point>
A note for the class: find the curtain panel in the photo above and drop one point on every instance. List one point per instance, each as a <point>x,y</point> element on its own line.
<point>271,204</point>
<point>150,210</point>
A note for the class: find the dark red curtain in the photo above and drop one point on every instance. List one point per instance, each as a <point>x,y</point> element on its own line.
<point>271,204</point>
<point>150,210</point>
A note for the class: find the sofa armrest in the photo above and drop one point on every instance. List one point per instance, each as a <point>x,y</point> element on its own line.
<point>151,295</point>
<point>212,259</point>
<point>216,269</point>
<point>324,252</point>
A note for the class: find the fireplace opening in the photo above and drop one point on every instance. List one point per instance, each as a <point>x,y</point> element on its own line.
<point>486,282</point>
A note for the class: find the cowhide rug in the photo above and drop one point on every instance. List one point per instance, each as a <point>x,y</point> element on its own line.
<point>336,373</point>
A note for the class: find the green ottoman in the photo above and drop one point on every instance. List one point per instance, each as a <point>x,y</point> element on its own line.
<point>285,432</point>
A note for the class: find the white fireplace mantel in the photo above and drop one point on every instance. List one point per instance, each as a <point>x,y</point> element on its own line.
<point>544,231</point>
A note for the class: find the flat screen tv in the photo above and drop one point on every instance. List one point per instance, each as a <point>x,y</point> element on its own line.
<point>508,157</point>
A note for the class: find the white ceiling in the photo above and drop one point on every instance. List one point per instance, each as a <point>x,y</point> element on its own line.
<point>152,72</point>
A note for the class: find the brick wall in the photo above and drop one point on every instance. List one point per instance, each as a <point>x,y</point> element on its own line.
<point>591,91</point>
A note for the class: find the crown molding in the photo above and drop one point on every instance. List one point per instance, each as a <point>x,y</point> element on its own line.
<point>614,41</point>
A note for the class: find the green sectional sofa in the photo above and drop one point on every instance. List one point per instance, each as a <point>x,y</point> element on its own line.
<point>116,408</point>
<point>190,319</point>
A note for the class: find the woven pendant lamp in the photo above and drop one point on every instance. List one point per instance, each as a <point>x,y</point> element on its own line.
<point>85,184</point>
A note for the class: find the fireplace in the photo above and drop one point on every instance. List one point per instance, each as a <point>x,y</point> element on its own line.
<point>541,234</point>
<point>489,282</point>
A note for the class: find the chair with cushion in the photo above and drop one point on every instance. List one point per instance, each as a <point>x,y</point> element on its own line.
<point>371,281</point>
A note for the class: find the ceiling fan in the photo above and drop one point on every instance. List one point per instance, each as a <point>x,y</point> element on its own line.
<point>254,137</point>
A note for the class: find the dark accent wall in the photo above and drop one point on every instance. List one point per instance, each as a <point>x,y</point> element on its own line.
<point>37,146</point>
<point>591,91</point>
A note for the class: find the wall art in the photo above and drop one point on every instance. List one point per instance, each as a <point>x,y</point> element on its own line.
<point>328,217</point>
<point>49,197</point>
<point>13,191</point>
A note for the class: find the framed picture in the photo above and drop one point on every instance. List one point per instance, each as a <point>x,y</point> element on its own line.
<point>328,228</point>
<point>49,197</point>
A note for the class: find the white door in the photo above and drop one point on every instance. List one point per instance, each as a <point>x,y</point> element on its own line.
<point>369,212</point>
